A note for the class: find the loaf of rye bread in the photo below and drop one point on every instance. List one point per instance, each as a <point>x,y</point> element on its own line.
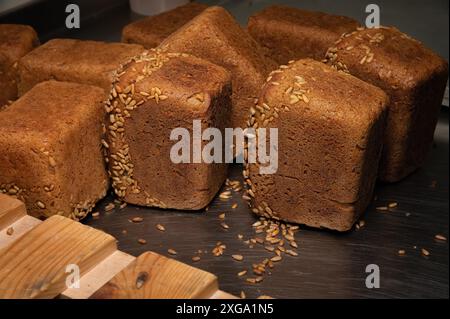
<point>151,31</point>
<point>292,34</point>
<point>15,41</point>
<point>153,94</point>
<point>215,36</point>
<point>330,131</point>
<point>50,141</point>
<point>414,78</point>
<point>85,62</point>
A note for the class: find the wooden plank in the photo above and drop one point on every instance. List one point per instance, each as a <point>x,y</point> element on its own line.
<point>34,266</point>
<point>152,276</point>
<point>17,229</point>
<point>219,294</point>
<point>99,276</point>
<point>11,210</point>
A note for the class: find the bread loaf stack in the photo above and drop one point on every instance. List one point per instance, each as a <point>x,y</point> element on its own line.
<point>349,104</point>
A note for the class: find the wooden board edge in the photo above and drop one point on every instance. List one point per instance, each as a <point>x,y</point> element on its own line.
<point>98,276</point>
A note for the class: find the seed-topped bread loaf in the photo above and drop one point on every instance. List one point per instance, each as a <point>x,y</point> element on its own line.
<point>85,62</point>
<point>330,130</point>
<point>292,34</point>
<point>151,31</point>
<point>50,141</point>
<point>215,36</point>
<point>154,94</point>
<point>414,78</point>
<point>15,41</point>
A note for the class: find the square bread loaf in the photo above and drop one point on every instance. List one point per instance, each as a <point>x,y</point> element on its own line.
<point>15,41</point>
<point>151,31</point>
<point>414,78</point>
<point>85,62</point>
<point>292,34</point>
<point>154,94</point>
<point>51,157</point>
<point>215,36</point>
<point>330,130</point>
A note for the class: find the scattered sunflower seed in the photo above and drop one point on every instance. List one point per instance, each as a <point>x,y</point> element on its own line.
<point>242,273</point>
<point>401,252</point>
<point>142,241</point>
<point>196,258</point>
<point>425,252</point>
<point>171,251</point>
<point>137,219</point>
<point>392,205</point>
<point>224,226</point>
<point>238,257</point>
<point>276,258</point>
<point>109,207</point>
<point>440,237</point>
<point>160,227</point>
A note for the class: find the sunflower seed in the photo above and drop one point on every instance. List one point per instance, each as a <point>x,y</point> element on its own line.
<point>242,273</point>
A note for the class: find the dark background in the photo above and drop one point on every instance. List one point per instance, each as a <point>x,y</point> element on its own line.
<point>329,265</point>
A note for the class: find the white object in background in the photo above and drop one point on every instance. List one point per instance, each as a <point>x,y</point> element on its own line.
<point>445,99</point>
<point>152,7</point>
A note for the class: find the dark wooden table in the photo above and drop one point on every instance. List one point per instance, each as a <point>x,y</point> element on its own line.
<point>329,265</point>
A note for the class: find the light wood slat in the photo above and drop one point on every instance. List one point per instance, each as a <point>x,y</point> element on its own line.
<point>34,266</point>
<point>152,276</point>
<point>19,228</point>
<point>219,294</point>
<point>11,210</point>
<point>99,276</point>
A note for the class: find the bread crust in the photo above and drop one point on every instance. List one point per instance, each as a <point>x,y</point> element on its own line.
<point>291,34</point>
<point>215,36</point>
<point>85,62</point>
<point>51,149</point>
<point>16,40</point>
<point>153,94</point>
<point>330,128</point>
<point>151,31</point>
<point>413,76</point>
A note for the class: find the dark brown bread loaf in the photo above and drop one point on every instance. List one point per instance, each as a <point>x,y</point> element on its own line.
<point>292,34</point>
<point>215,36</point>
<point>152,95</point>
<point>50,141</point>
<point>151,31</point>
<point>330,131</point>
<point>15,41</point>
<point>85,62</point>
<point>414,78</point>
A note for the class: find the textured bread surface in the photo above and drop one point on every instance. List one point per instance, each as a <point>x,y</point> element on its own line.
<point>151,31</point>
<point>152,95</point>
<point>292,34</point>
<point>85,62</point>
<point>50,141</point>
<point>215,36</point>
<point>16,40</point>
<point>414,78</point>
<point>330,129</point>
